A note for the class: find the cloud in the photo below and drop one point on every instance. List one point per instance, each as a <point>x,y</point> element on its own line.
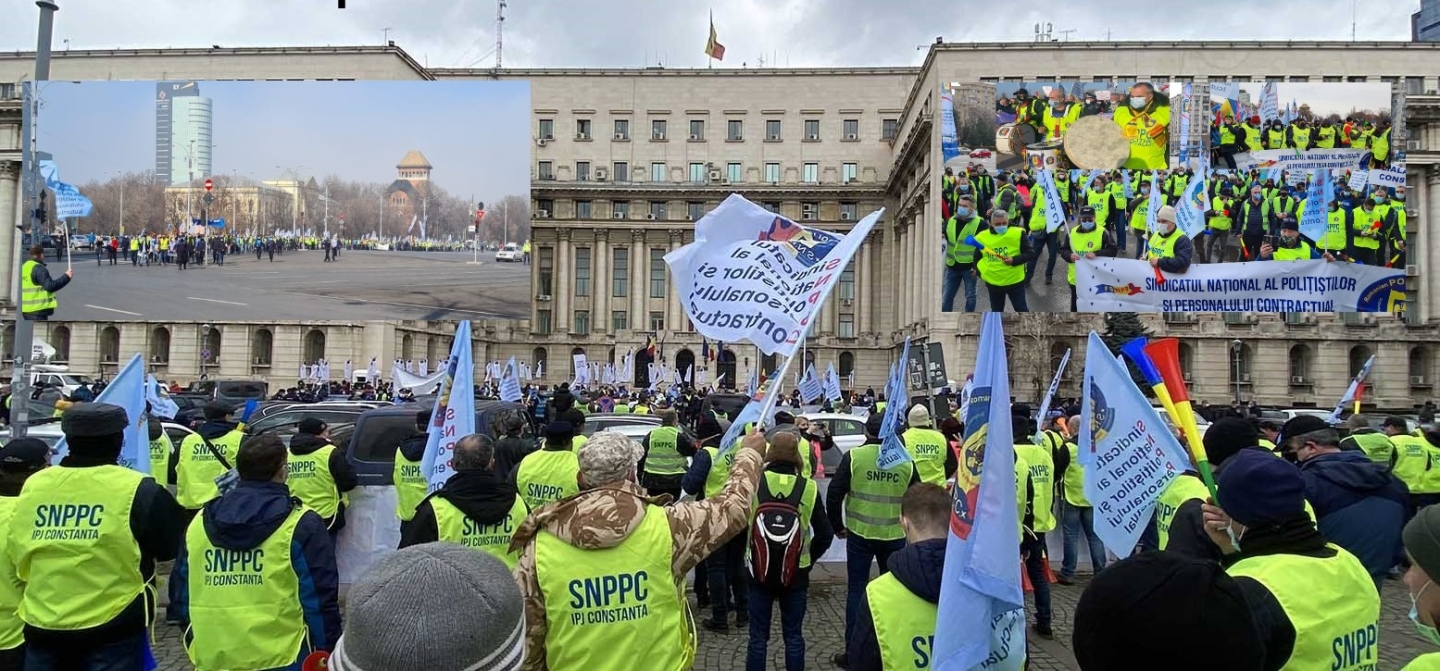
<point>798,33</point>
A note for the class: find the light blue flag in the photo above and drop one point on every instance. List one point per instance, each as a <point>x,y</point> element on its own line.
<point>1185,126</point>
<point>1190,215</point>
<point>981,611</point>
<point>1274,173</point>
<point>832,384</point>
<point>1351,390</point>
<point>1152,207</point>
<point>1125,177</point>
<point>949,138</point>
<point>454,415</point>
<point>510,382</point>
<point>160,406</point>
<point>1050,396</point>
<point>1054,207</point>
<point>897,404</point>
<point>1316,220</point>
<point>811,388</point>
<point>1129,455</point>
<point>753,385</point>
<point>1075,174</point>
<point>1091,180</point>
<point>127,390</point>
<point>753,411</point>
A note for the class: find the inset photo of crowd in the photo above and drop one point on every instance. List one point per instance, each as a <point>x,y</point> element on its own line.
<point>1301,125</point>
<point>185,200</point>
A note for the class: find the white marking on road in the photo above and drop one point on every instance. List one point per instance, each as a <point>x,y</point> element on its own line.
<point>212,300</point>
<point>123,312</point>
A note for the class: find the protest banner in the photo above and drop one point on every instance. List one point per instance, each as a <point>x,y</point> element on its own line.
<point>1290,159</point>
<point>1128,454</point>
<point>454,415</point>
<point>897,394</point>
<point>1391,176</point>
<point>949,137</point>
<point>754,276</point>
<point>1127,285</point>
<point>1054,207</point>
<point>811,388</point>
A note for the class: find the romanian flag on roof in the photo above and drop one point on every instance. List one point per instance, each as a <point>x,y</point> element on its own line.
<point>713,48</point>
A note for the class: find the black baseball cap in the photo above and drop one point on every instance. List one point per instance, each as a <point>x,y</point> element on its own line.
<point>24,454</point>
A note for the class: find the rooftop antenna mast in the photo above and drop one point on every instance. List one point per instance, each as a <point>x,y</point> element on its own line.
<point>499,32</point>
<point>1043,32</point>
<point>1065,34</point>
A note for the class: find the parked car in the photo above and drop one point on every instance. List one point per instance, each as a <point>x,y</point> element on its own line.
<point>729,404</point>
<point>848,432</point>
<point>60,376</point>
<point>81,242</point>
<point>509,253</point>
<point>980,153</point>
<point>234,392</point>
<point>50,432</point>
<point>192,408</point>
<point>291,414</point>
<point>609,421</point>
<point>379,432</point>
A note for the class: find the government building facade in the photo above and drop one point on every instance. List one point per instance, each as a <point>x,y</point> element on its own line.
<point>625,160</point>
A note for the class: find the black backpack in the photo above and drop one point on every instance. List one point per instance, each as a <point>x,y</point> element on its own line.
<point>777,537</point>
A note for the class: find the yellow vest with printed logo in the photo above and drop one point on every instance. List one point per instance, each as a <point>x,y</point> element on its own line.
<point>904,624</point>
<point>72,546</point>
<point>245,610</point>
<point>1412,464</point>
<point>927,449</point>
<point>1181,489</point>
<point>33,297</point>
<point>663,455</point>
<point>196,468</point>
<point>1074,479</point>
<point>1163,246</point>
<point>1146,153</point>
<point>311,481</point>
<point>12,630</point>
<point>1083,243</point>
<point>872,508</point>
<point>993,271</point>
<point>1042,476</point>
<point>410,486</point>
<point>160,450</point>
<point>609,608</point>
<point>1331,603</point>
<point>547,475</point>
<point>720,465</point>
<point>455,526</point>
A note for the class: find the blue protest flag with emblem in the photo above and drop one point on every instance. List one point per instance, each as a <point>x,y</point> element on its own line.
<point>897,402</point>
<point>127,390</point>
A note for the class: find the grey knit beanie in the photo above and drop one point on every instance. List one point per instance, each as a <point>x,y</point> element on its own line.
<point>434,606</point>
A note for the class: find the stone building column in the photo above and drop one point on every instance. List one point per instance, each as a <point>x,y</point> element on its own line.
<point>674,315</point>
<point>639,287</point>
<point>10,202</point>
<point>868,291</point>
<point>600,282</point>
<point>563,282</point>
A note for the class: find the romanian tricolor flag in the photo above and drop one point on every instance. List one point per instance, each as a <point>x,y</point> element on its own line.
<point>650,346</point>
<point>713,48</point>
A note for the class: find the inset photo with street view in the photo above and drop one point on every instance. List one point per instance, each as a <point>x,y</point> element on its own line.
<point>186,200</point>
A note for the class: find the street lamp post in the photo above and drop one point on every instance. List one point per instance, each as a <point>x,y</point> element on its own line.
<point>190,185</point>
<point>204,346</point>
<point>1235,347</point>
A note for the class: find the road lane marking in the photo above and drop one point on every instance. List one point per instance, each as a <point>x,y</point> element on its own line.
<point>123,312</point>
<point>212,300</point>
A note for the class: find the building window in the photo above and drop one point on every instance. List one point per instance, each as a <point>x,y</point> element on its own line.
<point>160,345</point>
<point>1299,365</point>
<point>622,129</point>
<point>657,321</point>
<point>889,128</point>
<point>847,365</point>
<point>771,205</point>
<point>542,322</point>
<point>582,209</point>
<point>657,129</point>
<point>545,207</point>
<point>547,271</point>
<point>620,272</point>
<point>619,321</point>
<point>849,172</point>
<point>847,283</point>
<point>847,326</point>
<point>848,211</point>
<point>812,129</point>
<point>697,129</point>
<point>545,171</point>
<point>547,129</point>
<point>695,210</point>
<point>621,208</point>
<point>809,211</point>
<point>772,173</point>
<point>772,129</point>
<point>697,173</point>
<point>582,323</point>
<point>582,171</point>
<point>582,129</point>
<point>733,172</point>
<point>582,271</point>
<point>620,171</point>
<point>540,360</point>
<point>658,279</point>
<point>812,173</point>
<point>735,130</point>
<point>657,172</point>
<point>262,346</point>
<point>109,344</point>
<point>1333,79</point>
<point>659,210</point>
<point>851,128</point>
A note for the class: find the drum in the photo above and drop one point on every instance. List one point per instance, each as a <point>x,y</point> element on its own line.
<point>1047,156</point>
<point>1096,143</point>
<point>1012,138</point>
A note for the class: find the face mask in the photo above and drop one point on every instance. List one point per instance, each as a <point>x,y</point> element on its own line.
<point>964,188</point>
<point>1087,224</point>
<point>1000,230</point>
<point>962,213</point>
<point>1137,103</point>
<point>1289,241</point>
<point>1400,196</point>
<point>1055,104</point>
<point>1426,631</point>
<point>1379,198</point>
<point>1255,197</point>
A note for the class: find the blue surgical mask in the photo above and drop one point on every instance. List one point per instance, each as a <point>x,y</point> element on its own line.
<point>1137,103</point>
<point>964,188</point>
<point>1400,197</point>
<point>1087,224</point>
<point>1426,631</point>
<point>1000,230</point>
<point>962,213</point>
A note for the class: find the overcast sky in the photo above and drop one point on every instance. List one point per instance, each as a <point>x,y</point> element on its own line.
<point>475,134</point>
<point>1327,98</point>
<point>557,33</point>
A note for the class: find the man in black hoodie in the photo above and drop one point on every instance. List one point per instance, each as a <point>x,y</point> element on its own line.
<point>903,596</point>
<point>513,446</point>
<point>477,507</point>
<point>320,474</point>
<point>245,521</point>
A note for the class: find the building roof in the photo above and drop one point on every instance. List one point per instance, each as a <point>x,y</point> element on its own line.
<point>414,159</point>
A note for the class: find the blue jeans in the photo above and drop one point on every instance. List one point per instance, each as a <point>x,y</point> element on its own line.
<point>858,554</point>
<point>792,615</point>
<point>955,276</point>
<point>1119,229</point>
<point>125,655</point>
<point>1077,521</point>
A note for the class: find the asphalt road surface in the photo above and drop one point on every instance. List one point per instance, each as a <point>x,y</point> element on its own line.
<point>298,285</point>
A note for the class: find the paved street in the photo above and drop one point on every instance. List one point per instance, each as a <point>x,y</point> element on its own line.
<point>300,285</point>
<point>825,622</point>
